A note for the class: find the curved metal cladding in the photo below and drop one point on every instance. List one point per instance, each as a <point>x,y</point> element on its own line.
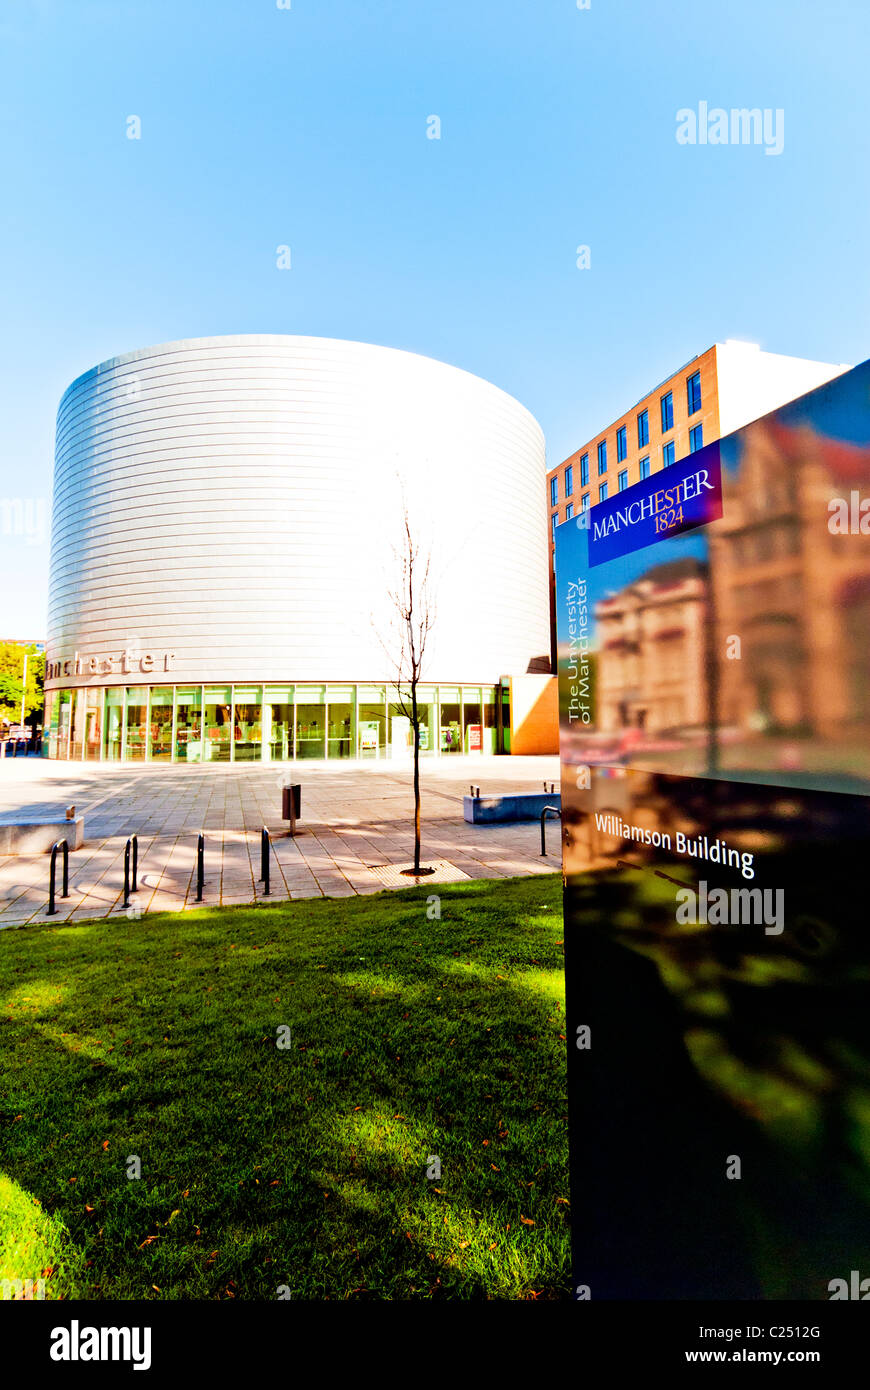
<point>229,507</point>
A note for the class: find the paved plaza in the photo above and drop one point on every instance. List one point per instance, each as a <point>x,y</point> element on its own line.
<point>355,836</point>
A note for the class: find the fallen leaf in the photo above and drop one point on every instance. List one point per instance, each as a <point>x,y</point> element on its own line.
<point>527,1221</point>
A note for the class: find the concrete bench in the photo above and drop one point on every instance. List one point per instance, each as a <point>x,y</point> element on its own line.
<point>36,835</point>
<point>516,806</point>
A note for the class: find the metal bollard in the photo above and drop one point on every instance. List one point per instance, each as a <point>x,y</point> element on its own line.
<point>134,888</point>
<point>553,811</point>
<point>61,844</point>
<point>200,866</point>
<point>127,874</point>
<point>264,861</point>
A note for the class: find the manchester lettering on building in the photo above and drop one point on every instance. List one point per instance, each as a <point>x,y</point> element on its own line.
<point>125,663</point>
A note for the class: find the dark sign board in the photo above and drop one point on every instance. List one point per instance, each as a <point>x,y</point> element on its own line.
<point>715,724</point>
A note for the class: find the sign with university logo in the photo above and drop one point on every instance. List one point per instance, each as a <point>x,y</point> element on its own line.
<point>713,636</point>
<point>676,499</point>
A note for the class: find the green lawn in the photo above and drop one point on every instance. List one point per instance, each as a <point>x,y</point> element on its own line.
<point>302,1166</point>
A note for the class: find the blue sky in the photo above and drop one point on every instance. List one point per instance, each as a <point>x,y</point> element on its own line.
<point>307,127</point>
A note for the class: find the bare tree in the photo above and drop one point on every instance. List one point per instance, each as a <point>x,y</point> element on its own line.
<point>413,618</point>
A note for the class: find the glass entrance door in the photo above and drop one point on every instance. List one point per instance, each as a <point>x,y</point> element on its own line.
<point>310,722</point>
<point>114,722</point>
<point>161,725</point>
<point>64,718</point>
<point>93,724</point>
<point>247,724</point>
<point>340,743</point>
<point>371,721</point>
<point>217,728</point>
<point>278,723</point>
<point>188,725</point>
<point>137,724</point>
<point>451,720</point>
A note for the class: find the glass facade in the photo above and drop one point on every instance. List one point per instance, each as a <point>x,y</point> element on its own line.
<point>256,723</point>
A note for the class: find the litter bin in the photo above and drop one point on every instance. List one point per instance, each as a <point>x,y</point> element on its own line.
<point>291,803</point>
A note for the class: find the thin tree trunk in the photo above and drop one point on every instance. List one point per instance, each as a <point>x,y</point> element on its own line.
<point>415,731</point>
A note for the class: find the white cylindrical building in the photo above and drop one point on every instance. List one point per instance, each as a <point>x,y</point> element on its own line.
<point>227,518</point>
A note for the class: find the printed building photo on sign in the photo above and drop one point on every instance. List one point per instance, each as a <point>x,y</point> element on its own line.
<point>713,631</point>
